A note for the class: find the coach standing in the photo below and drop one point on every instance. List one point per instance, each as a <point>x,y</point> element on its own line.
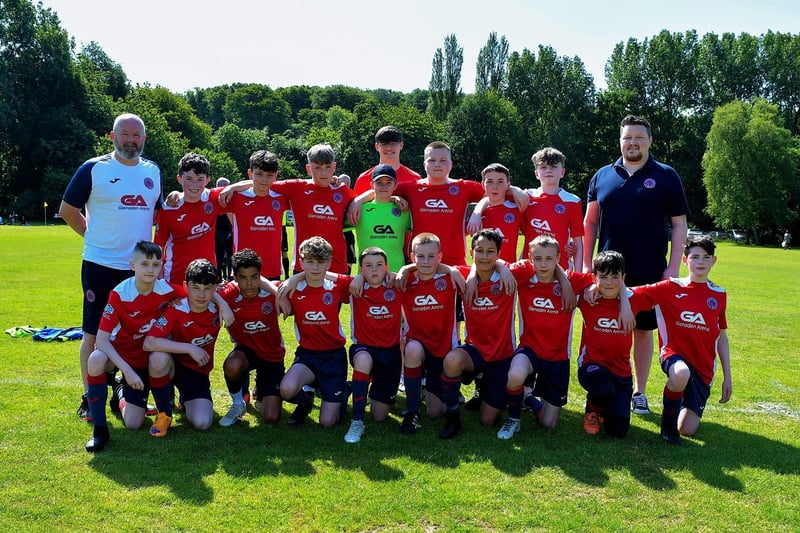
<point>119,193</point>
<point>631,206</point>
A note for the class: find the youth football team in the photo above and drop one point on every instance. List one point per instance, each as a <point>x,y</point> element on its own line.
<point>159,327</point>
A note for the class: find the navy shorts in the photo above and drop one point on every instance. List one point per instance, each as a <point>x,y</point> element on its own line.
<point>268,373</point>
<point>696,394</point>
<point>495,377</point>
<point>97,282</point>
<point>387,365</point>
<point>618,389</point>
<point>191,384</point>
<point>550,379</point>
<point>459,309</point>
<point>434,366</point>
<point>329,368</point>
<point>133,396</point>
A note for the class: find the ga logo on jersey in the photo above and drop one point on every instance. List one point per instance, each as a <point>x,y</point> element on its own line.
<point>425,299</point>
<point>381,229</point>
<point>610,323</point>
<point>540,225</point>
<point>254,325</point>
<point>263,221</point>
<point>133,200</point>
<point>315,316</point>
<point>322,209</point>
<point>543,303</point>
<point>693,318</point>
<point>435,204</point>
<point>208,338</point>
<point>483,302</point>
<point>378,310</point>
<point>201,228</point>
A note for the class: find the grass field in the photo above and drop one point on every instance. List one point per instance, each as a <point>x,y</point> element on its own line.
<point>739,474</point>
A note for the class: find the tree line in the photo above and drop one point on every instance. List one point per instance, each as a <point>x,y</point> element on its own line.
<point>57,104</point>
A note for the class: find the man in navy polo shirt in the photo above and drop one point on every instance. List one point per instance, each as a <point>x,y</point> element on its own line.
<point>637,206</point>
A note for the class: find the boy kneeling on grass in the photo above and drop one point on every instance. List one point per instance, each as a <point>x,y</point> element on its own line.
<point>182,345</point>
<point>692,330</point>
<point>127,318</point>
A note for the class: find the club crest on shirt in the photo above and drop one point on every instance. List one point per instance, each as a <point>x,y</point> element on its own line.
<point>649,183</point>
<point>495,289</point>
<point>453,190</point>
<point>267,308</point>
<point>712,303</point>
<point>440,284</point>
<point>276,205</point>
<point>327,298</point>
<point>509,218</point>
<point>557,289</point>
<point>149,183</point>
<point>337,197</point>
<point>208,208</point>
<point>389,295</point>
<point>560,209</point>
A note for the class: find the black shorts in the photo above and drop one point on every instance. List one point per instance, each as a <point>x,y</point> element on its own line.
<point>284,240</point>
<point>191,384</point>
<point>268,373</point>
<point>495,377</point>
<point>387,365</point>
<point>97,282</point>
<point>133,396</point>
<point>330,370</point>
<point>696,394</point>
<point>646,320</point>
<point>620,402</point>
<point>550,379</point>
<point>459,308</point>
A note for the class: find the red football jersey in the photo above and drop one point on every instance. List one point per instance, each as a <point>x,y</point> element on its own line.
<point>316,314</point>
<point>186,233</point>
<point>129,316</point>
<point>559,214</point>
<point>489,325</point>
<point>257,222</point>
<point>364,180</point>
<point>544,328</point>
<point>440,209</point>
<point>603,341</point>
<point>320,211</point>
<point>256,323</point>
<point>181,324</point>
<point>376,317</point>
<point>690,318</point>
<point>506,220</point>
<point>429,308</point>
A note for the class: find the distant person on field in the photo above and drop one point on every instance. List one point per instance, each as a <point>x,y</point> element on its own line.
<point>111,202</point>
<point>223,239</point>
<point>787,240</point>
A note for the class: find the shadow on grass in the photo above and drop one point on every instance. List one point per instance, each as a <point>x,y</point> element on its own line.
<point>251,450</point>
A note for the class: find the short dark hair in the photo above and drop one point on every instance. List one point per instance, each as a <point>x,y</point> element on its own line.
<point>633,120</point>
<point>193,161</point>
<point>388,134</point>
<point>264,160</point>
<point>548,156</point>
<point>703,241</point>
<point>496,167</point>
<point>201,271</point>
<point>245,258</point>
<point>148,249</point>
<point>490,234</point>
<point>372,250</point>
<point>608,262</point>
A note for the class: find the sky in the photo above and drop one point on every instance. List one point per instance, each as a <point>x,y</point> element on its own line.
<point>187,44</point>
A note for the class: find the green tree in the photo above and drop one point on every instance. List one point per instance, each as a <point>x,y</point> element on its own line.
<point>256,106</point>
<point>238,143</point>
<point>445,84</point>
<point>781,70</point>
<point>177,112</point>
<point>492,64</point>
<point>483,129</point>
<point>43,100</point>
<point>751,168</point>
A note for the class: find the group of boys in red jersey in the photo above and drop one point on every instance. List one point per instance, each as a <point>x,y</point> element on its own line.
<point>425,296</point>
